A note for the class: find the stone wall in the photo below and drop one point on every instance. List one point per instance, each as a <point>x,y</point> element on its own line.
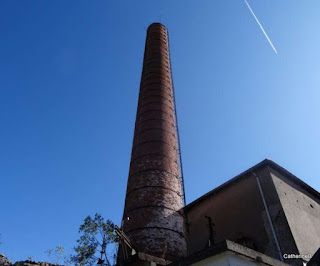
<point>4,261</point>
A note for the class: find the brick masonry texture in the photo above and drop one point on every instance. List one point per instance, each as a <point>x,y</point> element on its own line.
<point>153,217</point>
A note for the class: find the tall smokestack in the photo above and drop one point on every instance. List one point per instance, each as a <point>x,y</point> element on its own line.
<point>153,216</point>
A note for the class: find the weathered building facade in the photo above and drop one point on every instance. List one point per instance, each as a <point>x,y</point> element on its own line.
<point>266,208</point>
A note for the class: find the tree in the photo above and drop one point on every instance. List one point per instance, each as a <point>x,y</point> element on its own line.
<point>97,235</point>
<point>56,255</point>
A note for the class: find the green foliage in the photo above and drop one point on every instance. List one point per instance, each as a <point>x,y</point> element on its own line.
<point>90,243</point>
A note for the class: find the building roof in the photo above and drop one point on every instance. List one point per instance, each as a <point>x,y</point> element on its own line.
<point>248,172</point>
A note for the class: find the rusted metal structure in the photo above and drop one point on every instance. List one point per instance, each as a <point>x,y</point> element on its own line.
<point>153,217</point>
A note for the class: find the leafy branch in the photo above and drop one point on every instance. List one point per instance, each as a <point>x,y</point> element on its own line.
<point>96,234</point>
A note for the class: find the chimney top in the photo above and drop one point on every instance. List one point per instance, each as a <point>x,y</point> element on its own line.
<point>156,25</point>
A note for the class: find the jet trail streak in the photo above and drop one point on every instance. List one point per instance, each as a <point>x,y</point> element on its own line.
<point>265,34</point>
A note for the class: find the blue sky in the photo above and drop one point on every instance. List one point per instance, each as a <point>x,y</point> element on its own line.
<point>69,80</point>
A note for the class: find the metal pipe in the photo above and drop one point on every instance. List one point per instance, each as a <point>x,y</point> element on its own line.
<point>269,218</point>
<point>179,147</point>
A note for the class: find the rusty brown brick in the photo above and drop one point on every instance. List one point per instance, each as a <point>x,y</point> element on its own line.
<point>153,217</point>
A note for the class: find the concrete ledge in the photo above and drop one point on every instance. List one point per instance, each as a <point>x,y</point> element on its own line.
<point>230,246</point>
<point>143,259</point>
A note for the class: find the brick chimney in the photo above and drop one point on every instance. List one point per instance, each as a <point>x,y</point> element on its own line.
<point>153,217</point>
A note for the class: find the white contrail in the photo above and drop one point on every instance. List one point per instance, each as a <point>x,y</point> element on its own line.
<point>264,32</point>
